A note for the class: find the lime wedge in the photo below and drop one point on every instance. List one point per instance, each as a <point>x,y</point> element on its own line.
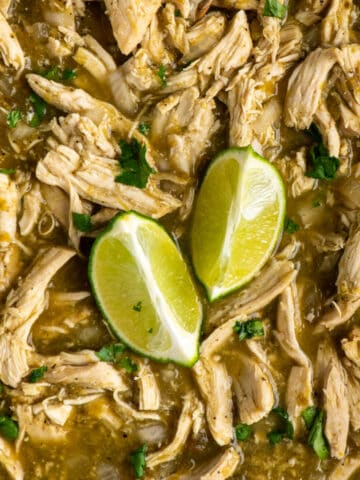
<point>238,220</point>
<point>144,290</point>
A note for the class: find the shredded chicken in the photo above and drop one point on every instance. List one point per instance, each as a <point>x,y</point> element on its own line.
<point>129,20</point>
<point>182,433</point>
<point>22,309</point>
<point>306,85</point>
<point>253,390</point>
<point>347,284</point>
<point>10,49</point>
<point>149,393</point>
<point>272,280</point>
<point>90,169</point>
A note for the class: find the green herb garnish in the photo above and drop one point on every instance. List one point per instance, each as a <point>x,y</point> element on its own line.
<point>111,353</point>
<point>81,221</point>
<point>13,117</point>
<point>323,166</point>
<point>314,419</point>
<point>56,74</point>
<point>137,307</point>
<point>249,329</point>
<point>290,226</point>
<point>8,171</point>
<point>138,461</point>
<point>144,128</point>
<point>242,432</point>
<point>177,13</point>
<point>8,428</point>
<point>135,168</point>
<point>69,74</point>
<point>37,373</point>
<point>276,436</point>
<point>273,8</point>
<point>128,364</point>
<point>39,110</point>
<point>161,73</point>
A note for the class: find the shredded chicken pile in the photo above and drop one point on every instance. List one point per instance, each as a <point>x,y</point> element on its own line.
<point>178,80</point>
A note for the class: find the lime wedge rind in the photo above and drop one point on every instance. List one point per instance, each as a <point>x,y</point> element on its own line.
<point>248,159</point>
<point>184,348</point>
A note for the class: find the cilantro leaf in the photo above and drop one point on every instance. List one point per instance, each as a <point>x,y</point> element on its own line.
<point>69,74</point>
<point>8,428</point>
<point>137,307</point>
<point>53,73</point>
<point>161,73</point>
<point>13,117</point>
<point>314,419</point>
<point>7,171</point>
<point>56,74</point>
<point>144,128</point>
<point>249,329</point>
<point>128,364</point>
<point>276,436</point>
<point>39,110</point>
<point>273,8</point>
<point>323,166</point>
<point>81,221</point>
<point>243,432</point>
<point>290,226</point>
<point>177,13</point>
<point>111,353</point>
<point>37,373</point>
<point>309,415</point>
<point>138,461</point>
<point>135,168</point>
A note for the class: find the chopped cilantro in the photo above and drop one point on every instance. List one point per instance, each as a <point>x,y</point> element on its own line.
<point>314,418</point>
<point>150,330</point>
<point>8,428</point>
<point>316,203</point>
<point>242,432</point>
<point>13,117</point>
<point>81,221</point>
<point>69,74</point>
<point>161,73</point>
<point>249,329</point>
<point>323,166</point>
<point>275,437</point>
<point>135,168</point>
<point>273,8</point>
<point>144,128</point>
<point>37,373</point>
<point>287,431</point>
<point>53,73</point>
<point>128,364</point>
<point>290,226</point>
<point>39,110</point>
<point>138,461</point>
<point>111,353</point>
<point>56,74</point>
<point>177,13</point>
<point>137,307</point>
<point>7,171</point>
<point>309,415</point>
